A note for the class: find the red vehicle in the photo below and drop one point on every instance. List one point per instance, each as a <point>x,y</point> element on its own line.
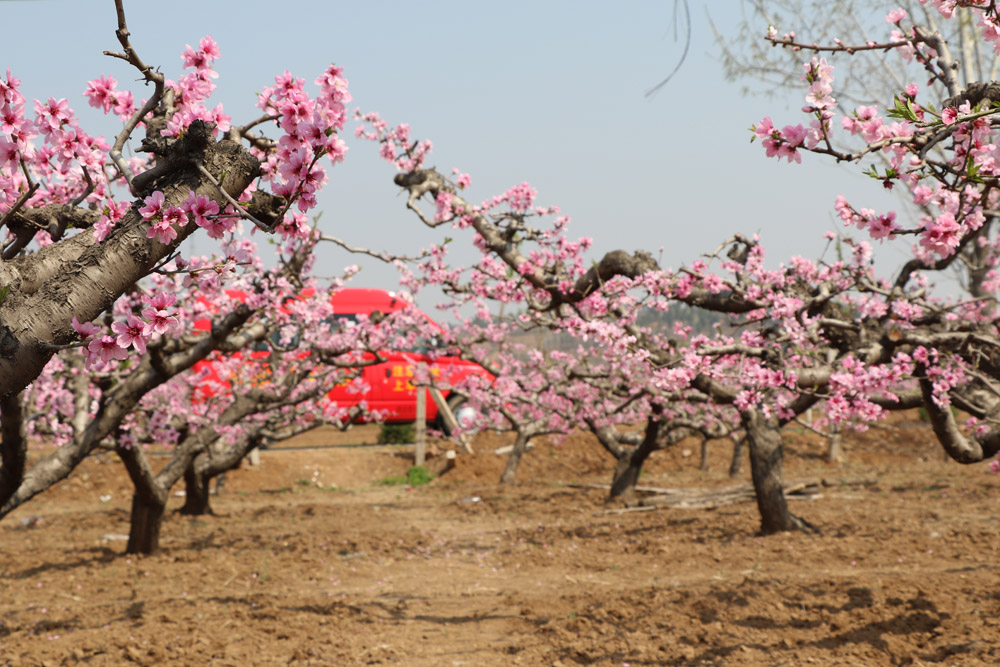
<point>391,393</point>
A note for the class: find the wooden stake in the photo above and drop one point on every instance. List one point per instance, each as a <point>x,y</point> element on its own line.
<point>420,428</point>
<point>449,418</point>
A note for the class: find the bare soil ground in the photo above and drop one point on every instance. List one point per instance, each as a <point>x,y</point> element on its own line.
<point>310,562</point>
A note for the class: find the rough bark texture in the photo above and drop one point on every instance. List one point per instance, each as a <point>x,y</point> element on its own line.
<point>957,446</point>
<point>81,277</point>
<point>197,479</point>
<point>764,439</point>
<point>736,464</point>
<point>630,465</point>
<point>14,452</point>
<point>145,523</point>
<point>514,458</point>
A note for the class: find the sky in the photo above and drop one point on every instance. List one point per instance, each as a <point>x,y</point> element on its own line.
<point>551,93</point>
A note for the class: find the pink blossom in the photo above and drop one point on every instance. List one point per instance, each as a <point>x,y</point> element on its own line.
<point>101,92</point>
<point>9,153</point>
<point>941,235</point>
<point>161,300</point>
<point>162,231</point>
<point>764,128</point>
<point>153,207</point>
<point>9,88</point>
<point>84,329</point>
<point>11,117</point>
<point>201,207</point>
<point>52,114</point>
<point>883,226</point>
<point>896,15</point>
<point>443,203</point>
<point>131,332</point>
<point>158,322</point>
<point>102,228</point>
<point>104,350</point>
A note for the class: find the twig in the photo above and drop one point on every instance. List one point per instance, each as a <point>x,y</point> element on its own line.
<point>157,80</point>
<point>235,204</point>
<point>18,204</point>
<point>384,256</point>
<point>88,191</point>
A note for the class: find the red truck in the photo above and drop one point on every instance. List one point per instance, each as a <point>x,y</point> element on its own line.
<point>391,393</point>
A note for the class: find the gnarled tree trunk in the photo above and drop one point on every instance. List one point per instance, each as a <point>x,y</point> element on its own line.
<point>764,439</point>
<point>197,478</point>
<point>514,458</point>
<point>630,463</point>
<point>14,450</point>
<point>148,506</point>
<point>739,449</point>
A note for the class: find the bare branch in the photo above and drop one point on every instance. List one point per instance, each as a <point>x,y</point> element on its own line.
<point>156,78</point>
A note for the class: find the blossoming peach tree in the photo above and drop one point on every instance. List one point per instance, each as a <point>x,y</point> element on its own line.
<point>938,146</point>
<point>829,331</point>
<point>95,299</point>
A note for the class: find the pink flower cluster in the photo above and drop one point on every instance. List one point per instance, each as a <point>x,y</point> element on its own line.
<point>193,88</point>
<point>102,93</point>
<point>134,332</point>
<point>310,126</point>
<point>62,163</point>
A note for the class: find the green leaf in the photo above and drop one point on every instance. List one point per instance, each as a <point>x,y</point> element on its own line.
<point>903,109</point>
<point>973,173</point>
<point>3,292</point>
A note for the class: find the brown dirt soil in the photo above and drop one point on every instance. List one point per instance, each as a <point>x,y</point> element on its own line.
<point>296,571</point>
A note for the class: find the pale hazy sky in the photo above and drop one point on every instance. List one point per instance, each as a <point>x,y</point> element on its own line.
<point>546,92</point>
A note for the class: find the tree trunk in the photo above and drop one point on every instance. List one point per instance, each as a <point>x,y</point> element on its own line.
<point>764,439</point>
<point>626,477</point>
<point>514,459</point>
<point>630,466</point>
<point>197,478</point>
<point>13,446</point>
<point>146,521</point>
<point>704,455</point>
<point>739,447</point>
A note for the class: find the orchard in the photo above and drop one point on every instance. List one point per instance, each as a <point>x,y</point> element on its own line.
<point>873,391</point>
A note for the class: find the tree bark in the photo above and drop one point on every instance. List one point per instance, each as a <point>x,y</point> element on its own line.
<point>514,458</point>
<point>764,439</point>
<point>630,465</point>
<point>146,521</point>
<point>80,277</point>
<point>13,446</point>
<point>197,478</point>
<point>956,445</point>
<point>149,500</point>
<point>739,448</point>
